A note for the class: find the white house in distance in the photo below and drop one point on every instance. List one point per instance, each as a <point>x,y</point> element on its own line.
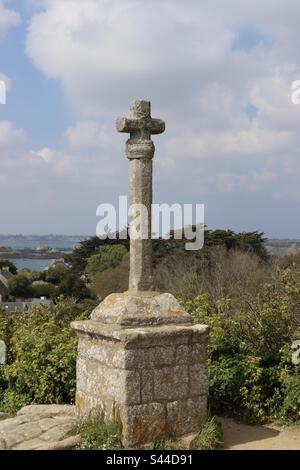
<point>58,264</point>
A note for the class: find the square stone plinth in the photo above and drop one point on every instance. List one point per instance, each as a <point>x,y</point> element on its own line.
<point>152,379</point>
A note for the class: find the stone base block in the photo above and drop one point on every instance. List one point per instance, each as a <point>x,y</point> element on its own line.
<point>152,379</point>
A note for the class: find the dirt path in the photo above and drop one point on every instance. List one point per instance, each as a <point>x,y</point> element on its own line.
<point>270,437</point>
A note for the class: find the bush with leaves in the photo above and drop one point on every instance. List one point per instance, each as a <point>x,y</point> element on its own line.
<point>20,286</point>
<point>250,368</point>
<point>106,257</point>
<point>41,355</point>
<point>43,289</point>
<point>72,286</point>
<point>5,263</point>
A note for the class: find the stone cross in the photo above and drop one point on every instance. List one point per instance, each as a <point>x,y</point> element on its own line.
<point>140,151</point>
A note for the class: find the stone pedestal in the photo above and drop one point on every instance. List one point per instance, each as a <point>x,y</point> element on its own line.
<point>143,363</point>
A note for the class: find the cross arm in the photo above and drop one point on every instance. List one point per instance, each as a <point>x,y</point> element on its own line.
<point>132,125</point>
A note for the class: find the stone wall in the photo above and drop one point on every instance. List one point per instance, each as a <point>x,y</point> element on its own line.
<point>154,379</point>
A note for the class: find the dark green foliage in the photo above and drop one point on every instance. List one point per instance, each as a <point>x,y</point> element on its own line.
<point>252,242</point>
<point>72,286</point>
<point>79,258</point>
<point>54,275</point>
<point>42,352</point>
<point>112,280</point>
<point>250,368</point>
<point>106,257</point>
<point>20,286</point>
<point>5,263</point>
<point>43,289</point>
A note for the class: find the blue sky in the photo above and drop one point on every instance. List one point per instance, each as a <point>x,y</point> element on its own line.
<point>219,75</point>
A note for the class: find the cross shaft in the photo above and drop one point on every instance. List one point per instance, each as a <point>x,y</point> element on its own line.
<point>140,151</point>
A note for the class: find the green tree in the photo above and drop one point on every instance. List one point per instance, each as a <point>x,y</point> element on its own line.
<point>112,280</point>
<point>79,258</point>
<point>42,351</point>
<point>43,289</point>
<point>5,263</point>
<point>105,258</point>
<point>20,286</point>
<point>54,275</point>
<point>72,286</point>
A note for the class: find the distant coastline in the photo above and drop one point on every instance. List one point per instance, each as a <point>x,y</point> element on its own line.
<point>33,242</point>
<point>36,252</point>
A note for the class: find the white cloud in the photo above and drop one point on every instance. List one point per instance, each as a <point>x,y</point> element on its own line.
<point>10,137</point>
<point>8,19</point>
<point>90,134</point>
<point>181,55</point>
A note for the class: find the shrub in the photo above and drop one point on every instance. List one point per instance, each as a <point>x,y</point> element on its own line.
<point>290,410</point>
<point>72,286</point>
<point>20,286</point>
<point>106,257</point>
<point>5,263</point>
<point>41,356</point>
<point>98,434</point>
<point>250,368</point>
<point>43,289</point>
<point>112,280</point>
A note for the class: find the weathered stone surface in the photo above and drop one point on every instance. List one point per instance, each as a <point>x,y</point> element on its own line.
<point>121,385</point>
<point>36,426</point>
<point>186,416</point>
<point>142,423</point>
<point>32,444</point>
<point>140,151</point>
<point>140,308</point>
<point>147,386</point>
<point>183,354</point>
<point>200,334</point>
<point>198,352</point>
<point>56,433</point>
<point>138,356</point>
<point>171,383</point>
<point>47,410</point>
<point>135,368</point>
<point>70,443</point>
<point>108,353</point>
<point>150,357</point>
<point>142,337</point>
<point>198,379</point>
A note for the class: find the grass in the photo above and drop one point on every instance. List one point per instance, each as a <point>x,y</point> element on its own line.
<point>210,436</point>
<point>97,434</point>
<point>167,445</point>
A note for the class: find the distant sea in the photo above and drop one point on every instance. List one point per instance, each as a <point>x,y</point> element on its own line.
<point>32,264</point>
<point>65,243</point>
